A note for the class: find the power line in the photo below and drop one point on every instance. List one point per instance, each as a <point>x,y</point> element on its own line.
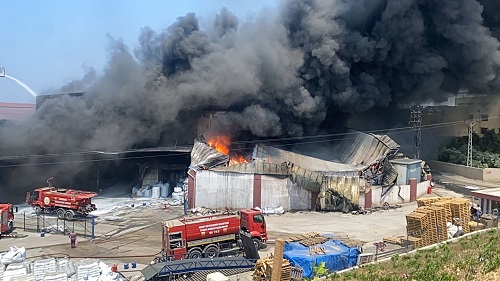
<point>176,154</point>
<point>85,153</point>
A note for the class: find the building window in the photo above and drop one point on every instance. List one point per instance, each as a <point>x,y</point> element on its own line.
<point>484,117</point>
<point>484,130</point>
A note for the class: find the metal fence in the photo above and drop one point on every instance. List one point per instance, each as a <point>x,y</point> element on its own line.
<point>52,224</point>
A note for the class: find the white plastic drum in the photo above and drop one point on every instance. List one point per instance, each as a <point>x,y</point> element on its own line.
<point>164,190</point>
<point>155,192</point>
<point>147,193</point>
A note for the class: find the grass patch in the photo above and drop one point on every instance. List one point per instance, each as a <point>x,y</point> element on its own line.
<point>468,259</point>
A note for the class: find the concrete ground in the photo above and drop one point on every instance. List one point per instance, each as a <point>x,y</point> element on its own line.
<point>462,181</point>
<point>126,234</point>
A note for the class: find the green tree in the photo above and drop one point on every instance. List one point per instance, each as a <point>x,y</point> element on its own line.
<point>485,154</point>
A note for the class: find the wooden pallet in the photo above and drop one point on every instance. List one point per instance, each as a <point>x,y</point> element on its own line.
<point>264,267</point>
<point>396,240</point>
<point>302,237</point>
<point>316,250</point>
<point>314,241</point>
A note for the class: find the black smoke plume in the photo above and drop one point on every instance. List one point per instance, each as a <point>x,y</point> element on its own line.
<point>287,73</point>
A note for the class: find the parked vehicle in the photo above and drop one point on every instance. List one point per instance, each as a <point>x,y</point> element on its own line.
<point>6,218</point>
<point>207,236</point>
<point>66,203</point>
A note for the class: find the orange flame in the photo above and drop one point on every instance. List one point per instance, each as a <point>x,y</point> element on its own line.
<point>222,144</point>
<point>237,160</point>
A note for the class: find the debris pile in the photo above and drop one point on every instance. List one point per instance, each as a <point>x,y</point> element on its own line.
<point>264,268</point>
<point>273,211</point>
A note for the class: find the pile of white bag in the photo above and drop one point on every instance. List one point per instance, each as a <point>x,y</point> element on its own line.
<point>59,270</point>
<point>16,272</point>
<point>42,267</point>
<point>14,255</point>
<point>178,194</point>
<point>95,270</point>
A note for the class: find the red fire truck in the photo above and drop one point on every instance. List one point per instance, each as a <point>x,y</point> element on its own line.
<point>207,236</point>
<point>6,218</point>
<point>67,203</point>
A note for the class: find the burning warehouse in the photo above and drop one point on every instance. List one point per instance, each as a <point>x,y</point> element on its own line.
<point>366,175</point>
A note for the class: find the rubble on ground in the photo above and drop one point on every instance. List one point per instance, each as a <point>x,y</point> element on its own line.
<point>273,210</point>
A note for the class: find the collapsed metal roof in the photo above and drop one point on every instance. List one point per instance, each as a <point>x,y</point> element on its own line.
<point>278,156</point>
<point>205,157</point>
<point>366,149</point>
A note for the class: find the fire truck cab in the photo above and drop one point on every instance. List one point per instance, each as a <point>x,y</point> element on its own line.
<point>7,218</point>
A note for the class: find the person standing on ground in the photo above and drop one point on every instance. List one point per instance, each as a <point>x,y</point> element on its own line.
<point>72,238</point>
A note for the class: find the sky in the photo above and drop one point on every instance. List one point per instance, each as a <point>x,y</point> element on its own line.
<point>46,44</point>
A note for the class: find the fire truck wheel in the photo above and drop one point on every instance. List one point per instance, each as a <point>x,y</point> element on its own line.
<point>38,210</point>
<point>69,215</point>
<point>256,242</point>
<point>211,251</point>
<point>60,214</point>
<point>195,253</point>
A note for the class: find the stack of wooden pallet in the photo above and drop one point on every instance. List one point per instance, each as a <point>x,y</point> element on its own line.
<point>440,214</point>
<point>417,225</point>
<point>447,208</point>
<point>301,237</point>
<point>421,202</point>
<point>264,267</point>
<point>428,224</point>
<point>431,233</point>
<point>460,208</point>
<point>309,239</point>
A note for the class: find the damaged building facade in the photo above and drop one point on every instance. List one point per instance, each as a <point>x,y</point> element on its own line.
<point>368,174</point>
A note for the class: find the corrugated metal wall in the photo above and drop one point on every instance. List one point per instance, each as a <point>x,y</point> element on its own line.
<point>236,191</point>
<point>223,189</point>
<point>280,191</point>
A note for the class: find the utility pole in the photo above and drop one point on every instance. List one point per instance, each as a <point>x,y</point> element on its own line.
<point>470,125</point>
<point>416,122</point>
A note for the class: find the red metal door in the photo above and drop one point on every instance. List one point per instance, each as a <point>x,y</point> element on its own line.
<point>413,190</point>
<point>368,198</point>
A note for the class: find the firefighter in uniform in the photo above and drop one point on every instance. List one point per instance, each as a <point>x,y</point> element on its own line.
<point>72,238</point>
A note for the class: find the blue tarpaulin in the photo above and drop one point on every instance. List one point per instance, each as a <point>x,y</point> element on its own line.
<point>338,256</point>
